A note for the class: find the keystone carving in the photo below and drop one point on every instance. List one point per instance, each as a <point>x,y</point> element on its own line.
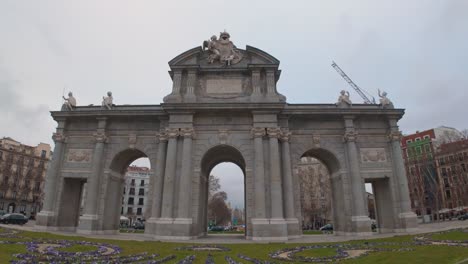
<point>223,135</point>
<point>316,141</point>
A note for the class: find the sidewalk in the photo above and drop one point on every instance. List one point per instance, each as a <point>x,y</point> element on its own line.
<point>238,239</point>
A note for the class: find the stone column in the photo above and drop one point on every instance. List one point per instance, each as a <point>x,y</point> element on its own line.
<point>46,216</point>
<point>176,85</point>
<point>360,220</point>
<point>258,133</point>
<point>407,216</point>
<point>191,81</point>
<point>185,191</point>
<point>287,176</point>
<point>158,184</point>
<point>170,171</point>
<point>89,219</point>
<point>275,174</point>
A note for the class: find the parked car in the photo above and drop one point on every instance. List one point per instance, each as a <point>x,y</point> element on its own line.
<point>217,228</point>
<point>463,217</point>
<point>13,219</point>
<point>327,227</point>
<point>139,225</point>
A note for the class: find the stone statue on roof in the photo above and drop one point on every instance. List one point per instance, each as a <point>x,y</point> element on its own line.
<point>343,99</point>
<point>384,101</point>
<point>107,101</point>
<point>221,50</point>
<point>70,102</point>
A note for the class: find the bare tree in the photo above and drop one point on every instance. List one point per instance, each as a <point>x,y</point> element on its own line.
<point>218,211</point>
<point>464,133</point>
<point>213,185</point>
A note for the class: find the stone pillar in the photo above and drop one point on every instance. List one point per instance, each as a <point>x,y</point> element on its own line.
<point>191,81</point>
<point>361,222</point>
<point>158,184</point>
<point>169,177</point>
<point>271,83</point>
<point>185,191</point>
<point>258,133</point>
<point>256,91</point>
<point>288,190</point>
<point>47,216</point>
<point>176,85</point>
<point>408,219</point>
<point>275,174</point>
<point>89,219</point>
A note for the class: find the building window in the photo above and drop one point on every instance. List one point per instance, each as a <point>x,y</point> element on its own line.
<point>427,148</point>
<point>132,191</point>
<point>1,205</point>
<point>1,154</point>
<point>22,208</point>
<point>140,201</point>
<point>43,154</point>
<point>124,190</point>
<point>426,137</point>
<point>139,210</point>
<point>130,210</point>
<point>37,186</point>
<point>141,191</point>
<point>132,182</point>
<point>446,183</point>
<point>408,141</point>
<point>33,209</point>
<point>447,194</point>
<point>13,196</point>
<point>417,139</point>
<point>130,200</point>
<point>142,183</point>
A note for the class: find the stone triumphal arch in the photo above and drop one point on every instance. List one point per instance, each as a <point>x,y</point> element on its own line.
<point>225,106</point>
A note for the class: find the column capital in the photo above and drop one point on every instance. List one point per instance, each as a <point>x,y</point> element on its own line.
<point>274,132</point>
<point>187,132</point>
<point>172,132</point>
<point>100,137</point>
<point>161,136</point>
<point>258,132</point>
<point>285,136</point>
<point>394,136</point>
<point>59,137</point>
<point>350,136</point>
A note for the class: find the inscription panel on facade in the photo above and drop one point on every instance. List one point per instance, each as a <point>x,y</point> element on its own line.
<point>79,155</point>
<point>373,155</point>
<point>224,86</point>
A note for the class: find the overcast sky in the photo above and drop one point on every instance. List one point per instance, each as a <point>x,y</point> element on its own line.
<point>417,51</point>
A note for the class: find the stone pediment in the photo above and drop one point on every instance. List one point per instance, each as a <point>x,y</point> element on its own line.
<point>199,58</point>
<point>219,72</point>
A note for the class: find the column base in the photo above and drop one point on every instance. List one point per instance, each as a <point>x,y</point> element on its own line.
<point>408,222</point>
<point>361,225</point>
<point>272,229</point>
<point>173,228</point>
<point>45,219</point>
<point>294,230</point>
<point>88,224</point>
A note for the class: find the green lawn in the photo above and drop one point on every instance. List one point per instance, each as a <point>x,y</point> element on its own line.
<point>419,254</point>
<point>312,232</point>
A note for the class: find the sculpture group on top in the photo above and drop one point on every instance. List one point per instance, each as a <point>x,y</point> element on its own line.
<point>70,102</point>
<point>222,50</point>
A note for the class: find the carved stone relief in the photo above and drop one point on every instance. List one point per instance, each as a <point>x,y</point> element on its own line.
<point>373,155</point>
<point>79,155</point>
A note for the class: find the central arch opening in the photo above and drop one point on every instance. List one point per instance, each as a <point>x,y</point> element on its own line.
<point>223,192</point>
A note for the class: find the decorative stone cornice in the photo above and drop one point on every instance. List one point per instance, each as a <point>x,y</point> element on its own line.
<point>59,137</point>
<point>172,132</point>
<point>187,132</point>
<point>100,137</point>
<point>258,132</point>
<point>274,132</point>
<point>350,136</point>
<point>394,136</point>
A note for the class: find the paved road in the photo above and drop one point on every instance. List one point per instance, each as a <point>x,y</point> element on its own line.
<point>237,239</point>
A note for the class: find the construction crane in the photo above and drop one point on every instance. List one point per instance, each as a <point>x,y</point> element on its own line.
<point>352,84</point>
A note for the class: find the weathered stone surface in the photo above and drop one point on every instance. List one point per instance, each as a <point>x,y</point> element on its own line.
<point>225,113</point>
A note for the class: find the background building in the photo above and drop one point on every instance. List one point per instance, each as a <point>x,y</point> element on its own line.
<point>135,193</point>
<point>22,176</point>
<point>425,181</point>
<point>315,193</point>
